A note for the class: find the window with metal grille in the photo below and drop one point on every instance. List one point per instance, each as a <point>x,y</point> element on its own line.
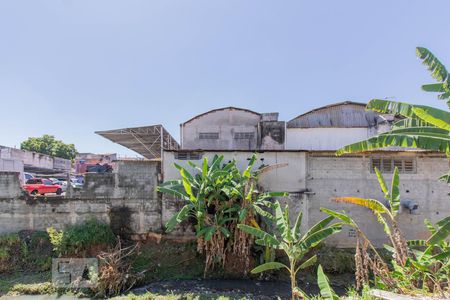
<point>208,135</point>
<point>188,155</point>
<point>244,135</point>
<point>387,165</point>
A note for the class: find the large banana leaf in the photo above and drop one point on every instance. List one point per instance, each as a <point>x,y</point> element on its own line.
<point>314,239</point>
<point>441,234</point>
<point>264,236</point>
<point>326,291</point>
<point>438,72</point>
<point>372,204</point>
<point>410,122</point>
<point>437,117</point>
<point>248,170</point>
<point>422,141</point>
<point>382,182</point>
<point>268,266</point>
<point>394,197</point>
<point>441,256</point>
<point>297,226</point>
<point>173,192</point>
<point>417,243</point>
<point>179,217</point>
<point>308,263</point>
<point>436,68</point>
<point>319,225</point>
<point>444,221</point>
<point>282,221</point>
<point>434,87</point>
<point>391,107</point>
<point>341,216</point>
<point>425,113</point>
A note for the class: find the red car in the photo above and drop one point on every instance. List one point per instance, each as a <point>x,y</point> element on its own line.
<point>41,186</point>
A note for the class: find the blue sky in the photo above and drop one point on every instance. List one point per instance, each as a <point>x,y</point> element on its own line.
<point>71,67</point>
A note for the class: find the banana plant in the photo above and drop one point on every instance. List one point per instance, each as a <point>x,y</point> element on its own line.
<point>422,264</point>
<point>326,291</point>
<point>214,187</point>
<point>421,126</point>
<point>292,242</point>
<point>430,265</point>
<point>438,72</point>
<point>386,214</point>
<point>217,196</point>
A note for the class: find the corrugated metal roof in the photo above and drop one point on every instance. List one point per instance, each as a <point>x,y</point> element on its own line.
<point>344,114</point>
<point>148,141</point>
<point>219,109</point>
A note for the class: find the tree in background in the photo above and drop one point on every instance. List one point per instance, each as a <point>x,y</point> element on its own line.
<point>47,144</point>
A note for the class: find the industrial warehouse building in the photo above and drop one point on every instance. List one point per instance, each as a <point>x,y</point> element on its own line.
<point>303,148</point>
<point>311,172</point>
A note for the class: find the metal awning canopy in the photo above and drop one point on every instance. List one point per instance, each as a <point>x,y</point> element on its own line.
<point>148,141</point>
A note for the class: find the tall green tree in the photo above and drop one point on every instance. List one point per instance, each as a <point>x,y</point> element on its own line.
<point>47,144</point>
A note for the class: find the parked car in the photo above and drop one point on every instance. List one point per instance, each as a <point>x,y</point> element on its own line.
<point>42,186</point>
<point>27,176</point>
<point>62,183</point>
<point>76,184</point>
<point>98,168</point>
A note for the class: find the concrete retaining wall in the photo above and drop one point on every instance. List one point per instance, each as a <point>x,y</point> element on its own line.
<point>131,188</point>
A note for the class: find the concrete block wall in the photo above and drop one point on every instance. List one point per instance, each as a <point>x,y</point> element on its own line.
<point>330,176</point>
<point>313,178</point>
<point>20,214</point>
<point>130,179</point>
<point>131,187</point>
<point>9,184</point>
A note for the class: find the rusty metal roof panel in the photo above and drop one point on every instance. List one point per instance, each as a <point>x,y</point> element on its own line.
<point>345,114</point>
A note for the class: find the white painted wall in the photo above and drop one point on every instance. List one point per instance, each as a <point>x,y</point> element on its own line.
<point>12,165</point>
<point>288,178</point>
<point>323,138</point>
<point>35,159</point>
<point>226,123</point>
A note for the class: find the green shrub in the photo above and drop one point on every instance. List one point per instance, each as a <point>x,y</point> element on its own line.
<point>27,250</point>
<point>80,238</point>
<point>32,289</point>
<point>10,252</point>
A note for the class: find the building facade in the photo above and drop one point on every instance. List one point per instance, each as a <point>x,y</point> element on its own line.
<point>233,128</point>
<point>314,178</point>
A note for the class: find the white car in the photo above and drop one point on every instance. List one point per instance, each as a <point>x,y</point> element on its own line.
<point>62,183</point>
<point>27,176</point>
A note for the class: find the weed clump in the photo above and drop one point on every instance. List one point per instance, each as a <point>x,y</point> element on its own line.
<point>26,250</point>
<point>81,239</point>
